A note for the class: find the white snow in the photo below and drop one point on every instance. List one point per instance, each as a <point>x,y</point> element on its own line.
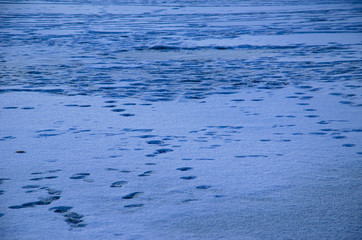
<point>301,186</point>
<point>105,136</point>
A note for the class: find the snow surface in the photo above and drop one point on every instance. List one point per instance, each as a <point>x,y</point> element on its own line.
<point>180,120</point>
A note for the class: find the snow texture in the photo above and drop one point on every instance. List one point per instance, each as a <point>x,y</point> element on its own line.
<point>180,120</point>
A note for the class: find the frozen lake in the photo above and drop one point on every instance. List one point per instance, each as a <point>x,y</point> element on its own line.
<point>180,119</point>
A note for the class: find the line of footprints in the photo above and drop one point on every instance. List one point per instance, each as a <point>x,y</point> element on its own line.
<point>76,220</point>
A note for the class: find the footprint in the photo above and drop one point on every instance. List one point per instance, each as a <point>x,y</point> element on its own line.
<point>145,174</point>
<point>79,176</point>
<point>60,209</point>
<point>253,156</point>
<point>303,104</point>
<point>36,179</point>
<point>132,195</point>
<point>111,169</point>
<point>36,173</point>
<point>161,151</point>
<point>147,136</point>
<point>327,129</point>
<point>51,177</point>
<point>188,177</point>
<point>3,179</point>
<point>311,116</point>
<point>24,205</point>
<point>7,138</point>
<point>118,110</point>
<point>134,205</point>
<point>339,137</point>
<point>204,159</point>
<point>189,200</point>
<point>219,196</point>
<point>305,97</point>
<point>42,201</point>
<point>30,186</point>
<point>75,220</point>
<point>119,183</point>
<point>53,171</point>
<point>323,122</point>
<point>127,115</point>
<point>155,142</point>
<point>184,169</point>
<point>336,94</point>
<point>345,102</point>
<point>317,133</point>
<point>52,191</point>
